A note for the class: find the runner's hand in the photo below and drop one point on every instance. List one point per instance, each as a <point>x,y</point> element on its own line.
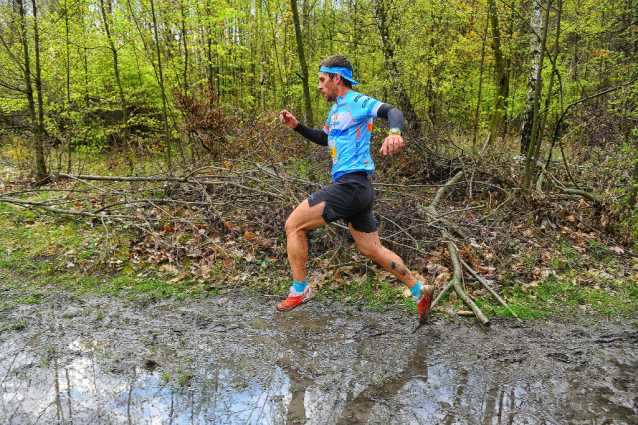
<point>391,145</point>
<point>288,119</point>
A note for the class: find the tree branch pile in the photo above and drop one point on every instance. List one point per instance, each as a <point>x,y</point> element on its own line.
<point>458,219</point>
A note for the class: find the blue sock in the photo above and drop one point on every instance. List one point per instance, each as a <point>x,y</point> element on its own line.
<point>300,286</point>
<point>416,290</point>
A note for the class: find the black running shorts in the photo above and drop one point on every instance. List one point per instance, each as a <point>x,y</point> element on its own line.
<point>349,198</point>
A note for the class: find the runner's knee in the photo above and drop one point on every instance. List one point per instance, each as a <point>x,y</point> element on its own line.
<point>291,226</point>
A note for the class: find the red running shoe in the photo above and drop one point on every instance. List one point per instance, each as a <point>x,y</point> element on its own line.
<point>423,303</point>
<point>294,299</point>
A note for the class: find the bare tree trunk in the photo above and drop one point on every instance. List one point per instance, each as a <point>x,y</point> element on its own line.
<point>530,163</point>
<point>116,70</point>
<point>68,54</point>
<point>536,25</point>
<point>161,83</point>
<point>40,165</point>
<point>548,99</point>
<point>86,77</point>
<point>633,189</point>
<point>501,75</point>
<point>383,10</point>
<point>480,89</point>
<point>305,80</point>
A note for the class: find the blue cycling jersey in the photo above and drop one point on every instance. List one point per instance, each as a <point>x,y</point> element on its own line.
<point>349,127</point>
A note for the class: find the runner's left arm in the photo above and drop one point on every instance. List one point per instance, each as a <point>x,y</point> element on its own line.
<point>363,107</point>
<point>368,107</point>
<point>393,115</point>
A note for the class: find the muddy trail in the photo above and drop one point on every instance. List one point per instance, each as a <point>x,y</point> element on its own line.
<point>213,360</point>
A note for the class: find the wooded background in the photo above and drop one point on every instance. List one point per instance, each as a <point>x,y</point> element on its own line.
<point>170,75</point>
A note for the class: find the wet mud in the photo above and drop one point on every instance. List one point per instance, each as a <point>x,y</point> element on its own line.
<point>109,360</point>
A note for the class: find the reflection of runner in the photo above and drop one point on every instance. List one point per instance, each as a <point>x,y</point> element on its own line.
<point>347,134</point>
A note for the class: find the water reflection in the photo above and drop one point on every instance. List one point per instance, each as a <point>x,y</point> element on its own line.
<point>84,391</point>
<point>298,369</point>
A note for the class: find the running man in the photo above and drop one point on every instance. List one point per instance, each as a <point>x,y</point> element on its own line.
<point>347,135</point>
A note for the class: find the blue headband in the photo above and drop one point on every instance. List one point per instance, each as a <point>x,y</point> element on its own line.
<point>344,72</point>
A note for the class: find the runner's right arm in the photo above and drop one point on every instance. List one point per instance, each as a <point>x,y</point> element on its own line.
<point>315,136</point>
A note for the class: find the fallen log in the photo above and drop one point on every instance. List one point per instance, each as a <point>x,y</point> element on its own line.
<point>431,211</point>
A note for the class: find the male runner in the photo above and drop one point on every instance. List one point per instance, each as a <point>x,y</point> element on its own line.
<point>347,135</point>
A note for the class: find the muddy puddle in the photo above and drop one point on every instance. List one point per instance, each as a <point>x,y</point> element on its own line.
<point>99,360</point>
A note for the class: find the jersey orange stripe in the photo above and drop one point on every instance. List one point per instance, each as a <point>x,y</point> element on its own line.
<point>351,116</point>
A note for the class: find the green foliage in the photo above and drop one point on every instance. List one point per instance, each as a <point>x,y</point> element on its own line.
<point>428,50</point>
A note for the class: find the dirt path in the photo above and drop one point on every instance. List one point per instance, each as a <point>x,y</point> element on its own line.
<point>105,360</point>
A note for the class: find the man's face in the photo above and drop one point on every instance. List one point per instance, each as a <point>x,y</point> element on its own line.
<point>328,86</point>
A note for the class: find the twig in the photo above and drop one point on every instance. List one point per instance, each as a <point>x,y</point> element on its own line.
<point>438,298</point>
<point>439,193</point>
<point>489,288</point>
<point>497,208</point>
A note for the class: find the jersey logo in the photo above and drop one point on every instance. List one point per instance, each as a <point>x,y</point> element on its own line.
<point>332,145</point>
<point>365,102</point>
<point>356,99</point>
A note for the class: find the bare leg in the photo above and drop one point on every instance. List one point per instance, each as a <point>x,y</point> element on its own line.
<point>303,218</point>
<point>371,247</point>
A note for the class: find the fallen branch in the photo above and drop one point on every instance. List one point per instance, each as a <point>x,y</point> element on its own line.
<point>582,193</point>
<point>124,179</point>
<point>43,206</point>
<point>80,177</point>
<point>489,288</point>
<point>456,282</point>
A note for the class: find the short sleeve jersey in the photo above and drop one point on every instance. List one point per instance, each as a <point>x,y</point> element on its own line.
<point>349,127</point>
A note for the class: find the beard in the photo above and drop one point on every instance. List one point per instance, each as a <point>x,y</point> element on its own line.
<point>331,97</point>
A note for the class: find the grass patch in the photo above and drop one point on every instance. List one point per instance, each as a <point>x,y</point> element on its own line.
<point>15,326</point>
<point>564,296</point>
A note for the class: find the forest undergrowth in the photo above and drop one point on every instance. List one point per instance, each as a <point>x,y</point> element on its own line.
<point>215,224</point>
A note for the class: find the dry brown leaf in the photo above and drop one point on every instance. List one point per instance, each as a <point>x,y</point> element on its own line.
<point>383,276</point>
<point>178,278</point>
<point>436,269</point>
<point>443,277</point>
<point>168,268</point>
<point>206,269</point>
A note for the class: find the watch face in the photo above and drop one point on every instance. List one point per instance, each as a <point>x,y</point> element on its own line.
<point>395,130</point>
